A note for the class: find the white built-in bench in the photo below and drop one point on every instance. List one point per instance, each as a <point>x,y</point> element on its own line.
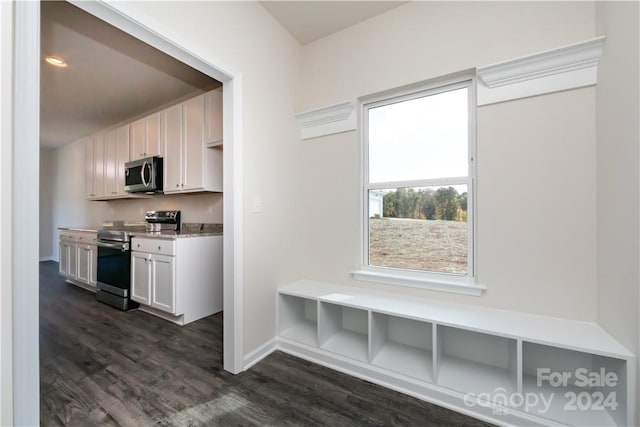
<point>480,361</point>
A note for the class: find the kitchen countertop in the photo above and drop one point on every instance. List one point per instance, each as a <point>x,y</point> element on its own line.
<point>155,234</point>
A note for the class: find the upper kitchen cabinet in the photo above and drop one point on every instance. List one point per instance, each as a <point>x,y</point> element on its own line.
<point>116,150</point>
<point>95,166</point>
<point>171,134</point>
<point>189,165</point>
<point>213,118</point>
<point>145,137</point>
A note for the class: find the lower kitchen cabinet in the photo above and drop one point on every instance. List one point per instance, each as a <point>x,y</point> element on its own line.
<point>86,257</point>
<point>68,259</point>
<point>79,258</point>
<point>153,280</point>
<point>179,279</point>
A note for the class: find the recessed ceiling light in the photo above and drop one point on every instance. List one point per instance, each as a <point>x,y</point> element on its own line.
<point>55,60</point>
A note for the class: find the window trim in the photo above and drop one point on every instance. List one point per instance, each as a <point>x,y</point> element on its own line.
<point>462,284</point>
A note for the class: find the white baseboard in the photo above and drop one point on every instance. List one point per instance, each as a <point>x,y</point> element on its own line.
<point>431,393</point>
<point>259,353</point>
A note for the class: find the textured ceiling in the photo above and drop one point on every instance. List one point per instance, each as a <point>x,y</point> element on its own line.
<point>311,20</point>
<point>111,77</point>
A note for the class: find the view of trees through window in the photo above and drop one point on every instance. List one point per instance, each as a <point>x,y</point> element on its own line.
<point>418,180</point>
<point>419,228</point>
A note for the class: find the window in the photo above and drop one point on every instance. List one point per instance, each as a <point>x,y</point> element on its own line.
<point>419,153</point>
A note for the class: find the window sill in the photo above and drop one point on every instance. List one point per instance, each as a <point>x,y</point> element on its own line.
<point>460,286</point>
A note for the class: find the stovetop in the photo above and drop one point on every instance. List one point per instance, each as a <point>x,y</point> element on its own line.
<point>121,233</point>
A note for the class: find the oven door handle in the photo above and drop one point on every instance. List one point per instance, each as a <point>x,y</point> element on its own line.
<point>122,246</point>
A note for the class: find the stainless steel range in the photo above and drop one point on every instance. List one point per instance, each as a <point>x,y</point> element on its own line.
<point>114,267</point>
<point>114,256</point>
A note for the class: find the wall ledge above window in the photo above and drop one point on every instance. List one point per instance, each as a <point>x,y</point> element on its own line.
<point>564,68</point>
<point>327,120</point>
<point>462,285</point>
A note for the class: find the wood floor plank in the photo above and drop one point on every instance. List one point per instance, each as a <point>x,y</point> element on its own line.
<point>103,367</point>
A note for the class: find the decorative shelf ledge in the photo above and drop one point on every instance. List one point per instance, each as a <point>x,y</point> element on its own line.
<point>567,67</point>
<point>327,120</point>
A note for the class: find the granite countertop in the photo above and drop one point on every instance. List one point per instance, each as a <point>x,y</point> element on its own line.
<point>187,230</point>
<point>90,229</point>
<point>170,235</point>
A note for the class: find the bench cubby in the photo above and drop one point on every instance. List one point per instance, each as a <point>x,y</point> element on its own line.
<point>298,319</point>
<point>344,331</point>
<point>473,362</point>
<point>480,361</point>
<point>402,345</point>
<point>587,389</point>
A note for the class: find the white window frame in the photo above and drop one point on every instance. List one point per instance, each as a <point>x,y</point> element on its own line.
<point>463,284</point>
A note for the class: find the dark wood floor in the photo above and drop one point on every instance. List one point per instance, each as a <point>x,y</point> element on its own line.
<point>100,366</point>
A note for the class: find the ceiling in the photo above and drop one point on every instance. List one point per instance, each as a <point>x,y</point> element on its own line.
<point>113,77</point>
<point>307,21</point>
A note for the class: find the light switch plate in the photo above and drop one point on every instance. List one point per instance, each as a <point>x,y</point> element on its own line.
<point>256,205</point>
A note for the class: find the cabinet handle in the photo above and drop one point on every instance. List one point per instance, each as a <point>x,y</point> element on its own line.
<point>159,247</point>
<point>138,244</point>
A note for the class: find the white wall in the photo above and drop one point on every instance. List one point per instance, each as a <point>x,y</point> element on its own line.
<point>536,157</point>
<point>69,205</point>
<point>618,151</point>
<point>46,203</point>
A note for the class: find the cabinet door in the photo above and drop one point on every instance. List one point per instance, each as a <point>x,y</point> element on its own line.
<point>163,273</point>
<point>138,139</point>
<point>72,273</point>
<point>83,257</point>
<point>89,167</point>
<point>172,139</point>
<point>193,140</point>
<point>98,166</point>
<point>213,116</point>
<point>64,259</point>
<point>154,142</point>
<point>140,278</point>
<point>110,163</point>
<point>122,157</point>
<point>93,265</point>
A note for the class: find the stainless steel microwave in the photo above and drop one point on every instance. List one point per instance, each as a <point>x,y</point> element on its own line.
<point>143,175</point>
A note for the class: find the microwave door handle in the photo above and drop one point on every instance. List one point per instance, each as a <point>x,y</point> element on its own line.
<point>144,165</point>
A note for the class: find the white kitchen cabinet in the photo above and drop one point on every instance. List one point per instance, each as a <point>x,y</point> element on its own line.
<point>145,138</point>
<point>116,155</point>
<point>86,257</point>
<point>213,117</point>
<point>172,139</point>
<point>153,279</point>
<point>163,276</point>
<point>179,280</point>
<point>141,277</point>
<point>95,166</point>
<point>189,166</point>
<point>79,258</point>
<point>68,265</point>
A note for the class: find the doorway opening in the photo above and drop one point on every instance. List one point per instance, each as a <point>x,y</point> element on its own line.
<point>27,63</point>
